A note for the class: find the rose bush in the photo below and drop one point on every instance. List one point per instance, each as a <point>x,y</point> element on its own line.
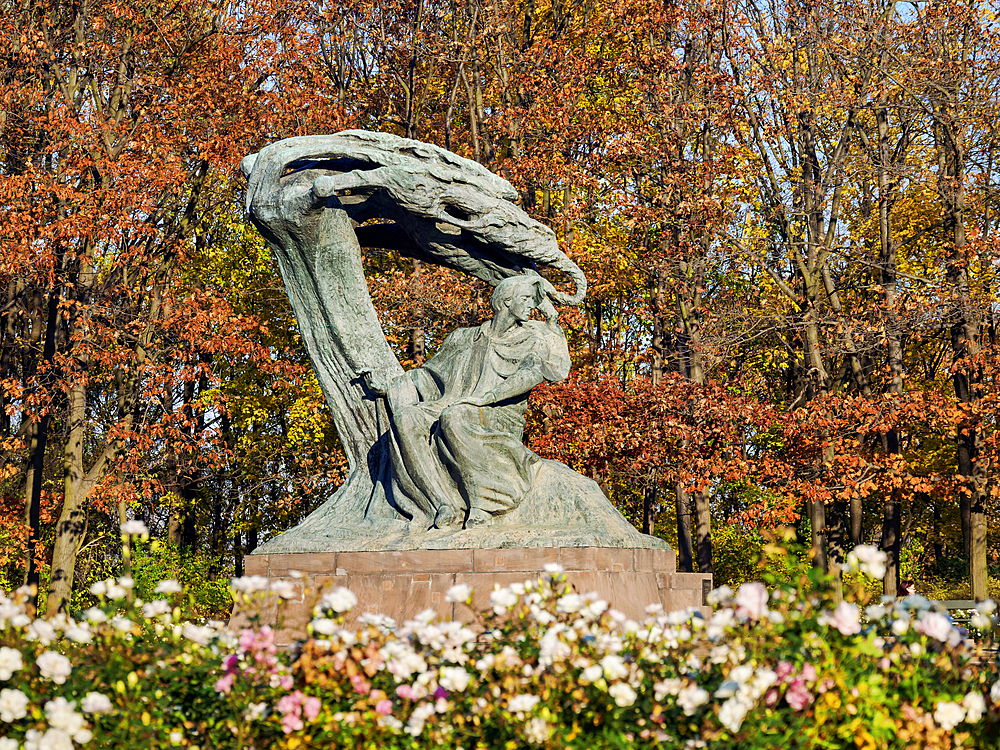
<point>544,666</point>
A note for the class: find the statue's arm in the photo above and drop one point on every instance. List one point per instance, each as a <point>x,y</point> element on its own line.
<point>522,380</point>
<point>419,384</point>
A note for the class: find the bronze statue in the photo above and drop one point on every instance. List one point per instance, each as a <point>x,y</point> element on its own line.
<point>435,453</point>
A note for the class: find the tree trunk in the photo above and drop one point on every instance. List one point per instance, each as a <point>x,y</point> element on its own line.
<point>71,526</point>
<point>891,530</point>
<point>415,348</point>
<point>703,531</point>
<point>950,145</point>
<point>817,523</point>
<point>649,502</point>
<point>890,545</point>
<point>658,298</point>
<point>38,445</point>
<point>685,563</point>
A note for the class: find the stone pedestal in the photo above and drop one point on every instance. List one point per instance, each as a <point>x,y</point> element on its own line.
<point>404,583</point>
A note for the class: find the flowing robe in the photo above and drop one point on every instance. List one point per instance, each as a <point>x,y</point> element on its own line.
<point>462,456</point>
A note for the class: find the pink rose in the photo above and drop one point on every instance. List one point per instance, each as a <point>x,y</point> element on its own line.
<point>289,703</point>
<point>751,600</point>
<point>405,692</point>
<point>935,625</point>
<point>784,669</point>
<point>361,684</point>
<point>310,707</point>
<point>384,707</point>
<point>846,618</point>
<point>225,684</point>
<point>291,723</point>
<point>797,695</point>
<point>809,673</point>
<point>247,638</point>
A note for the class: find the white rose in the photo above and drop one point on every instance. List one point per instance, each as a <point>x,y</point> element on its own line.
<point>99,589</point>
<point>693,696</point>
<point>121,624</point>
<point>980,621</point>
<point>460,592</point>
<point>732,713</point>
<point>454,679</point>
<point>135,527</point>
<point>116,591</point>
<point>948,715</point>
<point>623,694</point>
<point>592,673</point>
<point>169,586</point>
<point>41,631</point>
<point>250,584</point>
<point>284,589</point>
<point>868,559</point>
<point>986,607</point>
<point>741,674</point>
<point>593,609</point>
<point>7,743</point>
<point>720,595</point>
<point>502,599</point>
<point>55,667</point>
<point>614,667</point>
<point>13,705</point>
<point>324,626</point>
<point>536,731</point>
<point>668,687</point>
<point>96,703</point>
<point>79,634</point>
<point>975,706</point>
<point>60,715</point>
<point>20,621</point>
<point>875,612</point>
<point>10,662</point>
<point>521,704</point>
<point>55,739</point>
<point>339,600</point>
<point>155,608</point>
<point>569,603</point>
<point>199,634</point>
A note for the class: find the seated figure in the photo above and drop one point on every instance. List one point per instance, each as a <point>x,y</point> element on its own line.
<point>455,424</point>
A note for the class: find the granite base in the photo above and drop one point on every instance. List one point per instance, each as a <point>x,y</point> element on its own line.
<point>402,584</point>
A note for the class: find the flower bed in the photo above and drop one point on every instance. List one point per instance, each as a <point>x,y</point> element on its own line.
<point>545,667</point>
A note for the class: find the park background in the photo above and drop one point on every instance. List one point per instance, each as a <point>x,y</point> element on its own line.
<point>787,213</point>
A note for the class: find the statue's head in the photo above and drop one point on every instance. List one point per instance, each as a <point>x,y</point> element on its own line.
<point>516,288</point>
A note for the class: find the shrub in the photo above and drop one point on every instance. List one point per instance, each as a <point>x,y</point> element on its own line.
<point>544,666</point>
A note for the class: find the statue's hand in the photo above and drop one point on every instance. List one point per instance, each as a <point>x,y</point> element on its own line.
<point>548,310</point>
<point>374,380</point>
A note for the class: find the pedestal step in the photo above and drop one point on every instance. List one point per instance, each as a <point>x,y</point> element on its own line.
<point>402,584</point>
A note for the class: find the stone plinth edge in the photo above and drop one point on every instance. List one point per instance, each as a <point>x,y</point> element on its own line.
<point>403,583</point>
